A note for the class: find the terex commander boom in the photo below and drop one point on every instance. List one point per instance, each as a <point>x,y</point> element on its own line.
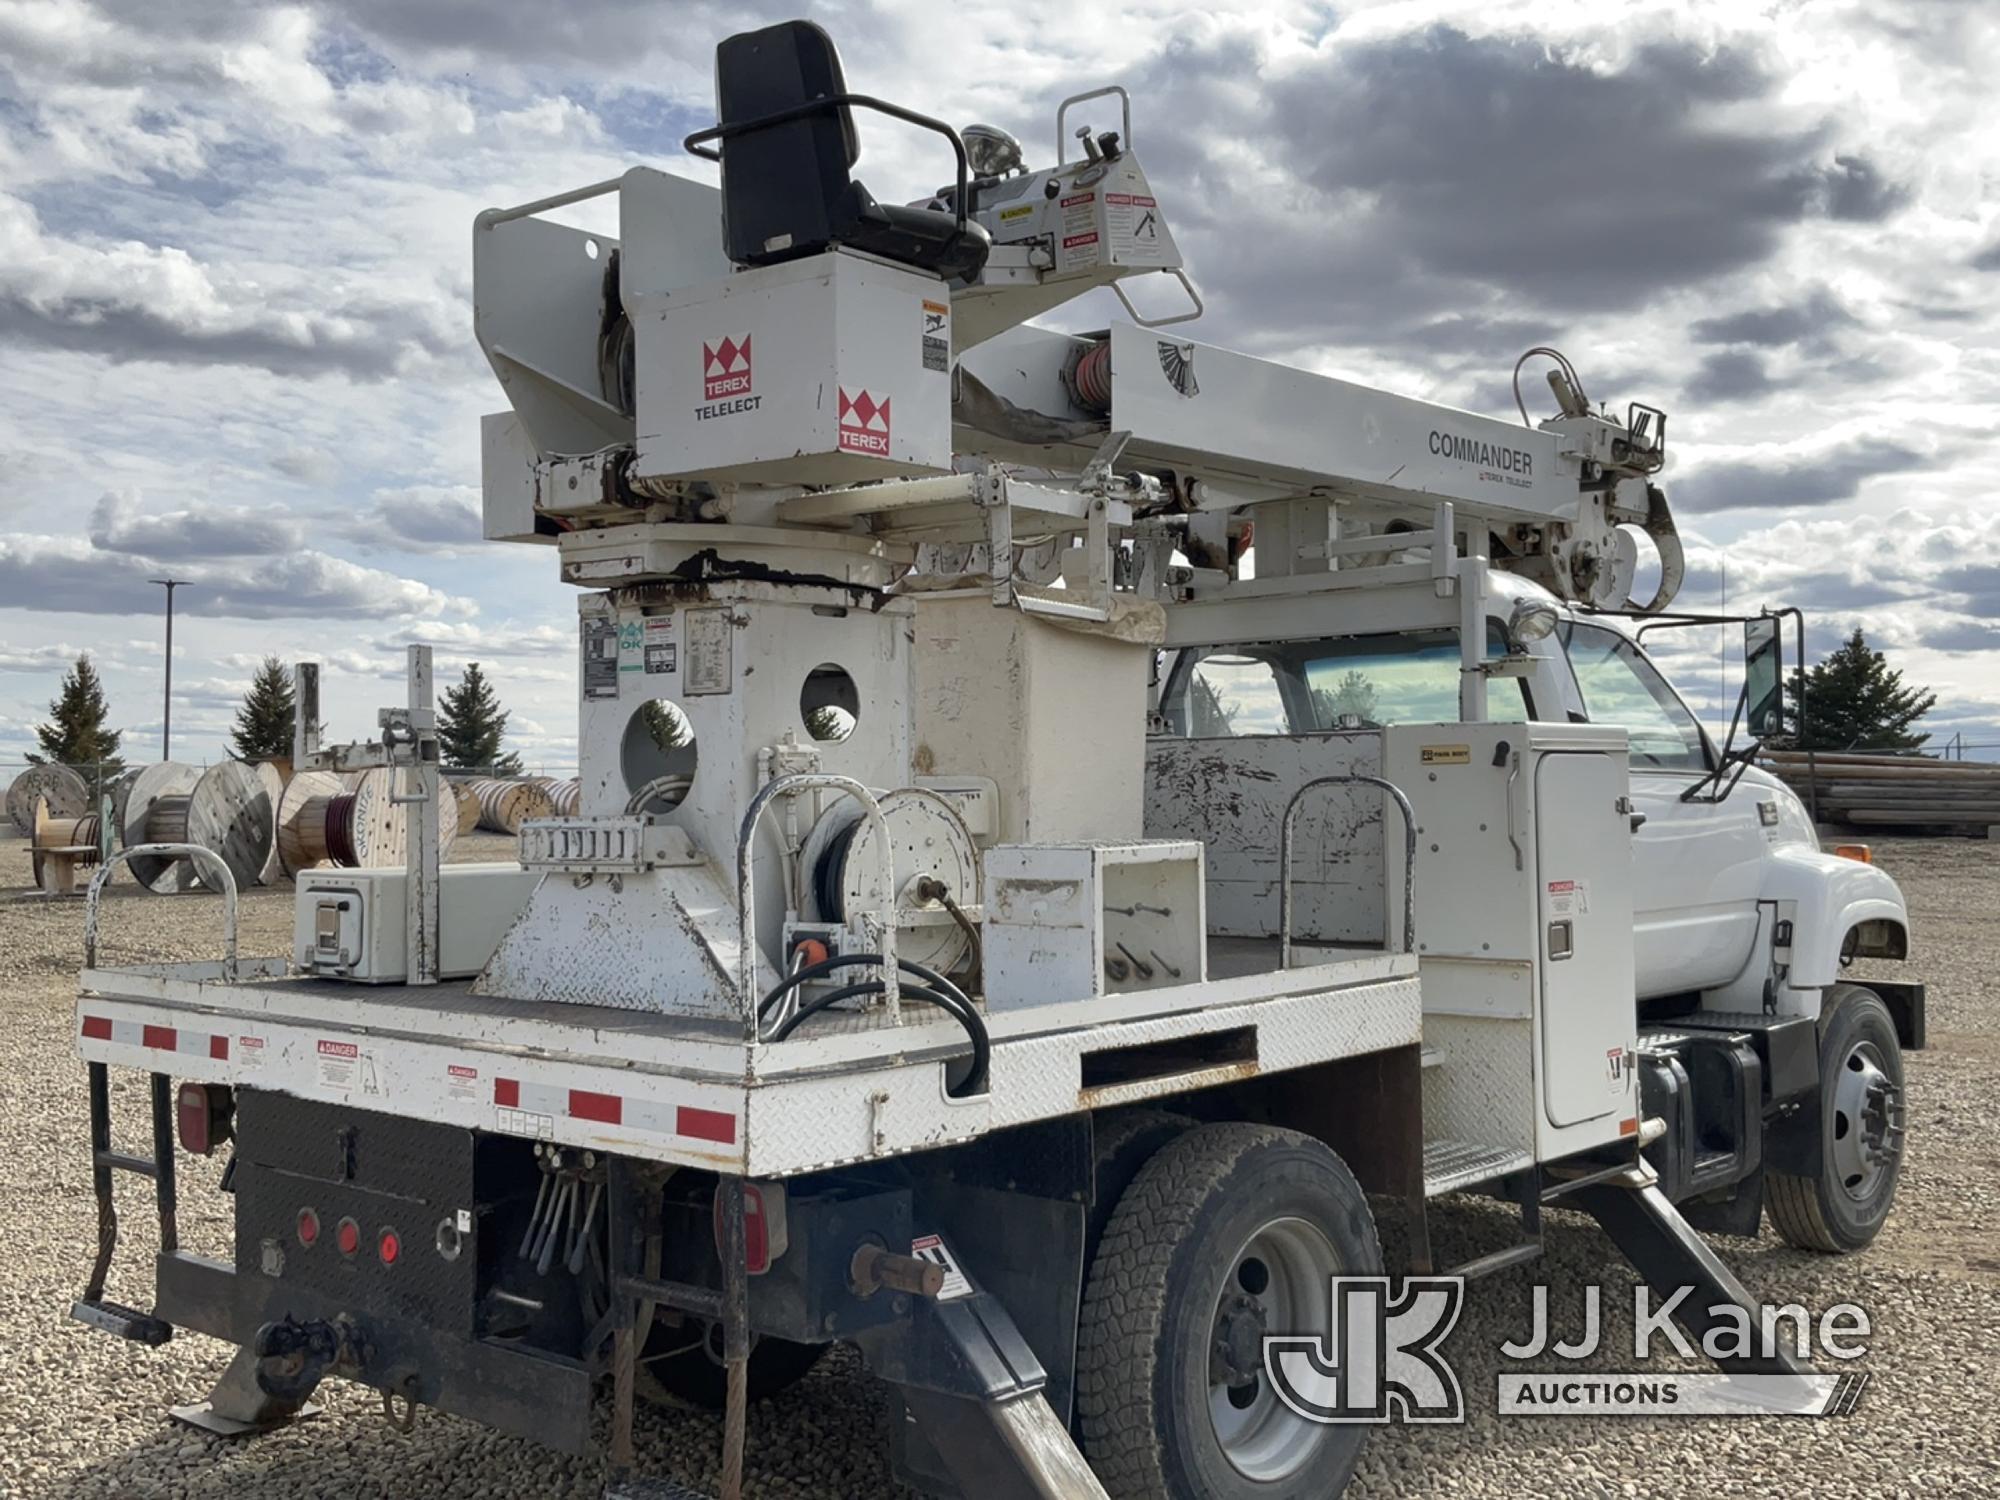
<point>867,999</point>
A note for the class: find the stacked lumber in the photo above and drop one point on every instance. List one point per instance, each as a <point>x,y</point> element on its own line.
<point>1891,791</point>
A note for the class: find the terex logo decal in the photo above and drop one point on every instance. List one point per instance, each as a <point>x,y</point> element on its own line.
<point>725,369</point>
<point>864,424</point>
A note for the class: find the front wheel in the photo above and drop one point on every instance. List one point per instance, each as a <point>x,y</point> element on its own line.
<point>1842,1207</point>
<point>1228,1233</point>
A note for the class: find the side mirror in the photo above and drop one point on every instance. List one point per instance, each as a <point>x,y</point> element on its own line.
<point>1763,679</point>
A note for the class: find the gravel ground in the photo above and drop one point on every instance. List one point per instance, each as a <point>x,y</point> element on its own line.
<point>86,1415</point>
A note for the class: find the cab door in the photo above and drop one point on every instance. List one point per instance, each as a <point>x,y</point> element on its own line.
<point>1696,866</point>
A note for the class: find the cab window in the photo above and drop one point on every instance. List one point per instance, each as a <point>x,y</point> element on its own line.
<point>1303,687</point>
<point>1620,686</point>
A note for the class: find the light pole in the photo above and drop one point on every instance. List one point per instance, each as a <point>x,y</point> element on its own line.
<point>167,712</point>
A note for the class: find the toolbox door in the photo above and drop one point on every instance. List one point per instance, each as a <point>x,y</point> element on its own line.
<point>1583,845</point>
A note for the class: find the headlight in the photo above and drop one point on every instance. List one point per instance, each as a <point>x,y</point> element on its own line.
<point>1531,620</point>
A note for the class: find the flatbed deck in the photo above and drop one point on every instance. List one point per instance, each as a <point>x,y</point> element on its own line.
<point>847,1087</point>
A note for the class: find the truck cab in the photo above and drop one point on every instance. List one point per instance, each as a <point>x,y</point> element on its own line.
<point>1705,867</point>
<point>1742,925</point>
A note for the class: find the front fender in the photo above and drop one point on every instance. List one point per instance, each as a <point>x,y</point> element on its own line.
<point>1830,896</point>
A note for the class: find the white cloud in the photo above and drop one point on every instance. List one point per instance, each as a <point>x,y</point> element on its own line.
<point>235,284</point>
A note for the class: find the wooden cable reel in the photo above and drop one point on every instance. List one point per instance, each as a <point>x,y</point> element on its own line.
<point>565,797</point>
<point>67,843</point>
<point>232,813</point>
<point>352,821</point>
<point>274,774</point>
<point>468,803</point>
<point>67,794</point>
<point>505,805</point>
<point>228,809</point>
<point>156,812</point>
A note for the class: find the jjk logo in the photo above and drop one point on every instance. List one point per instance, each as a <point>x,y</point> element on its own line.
<point>725,368</point>
<point>1378,1361</point>
<point>864,424</point>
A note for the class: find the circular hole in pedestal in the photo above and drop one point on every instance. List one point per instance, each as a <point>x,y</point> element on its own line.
<point>657,755</point>
<point>829,703</point>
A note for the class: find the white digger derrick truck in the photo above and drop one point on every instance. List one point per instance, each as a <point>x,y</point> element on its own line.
<point>1067,823</point>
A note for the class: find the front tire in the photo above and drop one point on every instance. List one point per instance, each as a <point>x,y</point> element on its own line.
<point>1227,1233</point>
<point>1842,1207</point>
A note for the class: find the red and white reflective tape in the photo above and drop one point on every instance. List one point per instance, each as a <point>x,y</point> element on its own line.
<point>713,1125</point>
<point>156,1038</point>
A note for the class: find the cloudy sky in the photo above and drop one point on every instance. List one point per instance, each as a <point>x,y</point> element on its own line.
<point>236,298</point>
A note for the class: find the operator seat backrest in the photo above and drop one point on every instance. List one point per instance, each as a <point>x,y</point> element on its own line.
<point>780,184</point>
<point>786,188</point>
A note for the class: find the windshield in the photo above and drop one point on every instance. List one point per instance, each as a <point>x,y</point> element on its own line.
<point>1352,682</point>
<point>1620,686</point>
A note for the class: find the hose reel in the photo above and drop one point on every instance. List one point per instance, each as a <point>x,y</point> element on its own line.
<point>842,872</point>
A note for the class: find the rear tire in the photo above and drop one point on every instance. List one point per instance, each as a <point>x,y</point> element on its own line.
<point>1840,1208</point>
<point>1121,1145</point>
<point>1228,1231</point>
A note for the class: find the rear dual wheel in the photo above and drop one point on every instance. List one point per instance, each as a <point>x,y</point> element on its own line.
<point>1227,1233</point>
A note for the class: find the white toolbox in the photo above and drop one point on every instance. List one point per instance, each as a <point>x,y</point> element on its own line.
<point>353,924</point>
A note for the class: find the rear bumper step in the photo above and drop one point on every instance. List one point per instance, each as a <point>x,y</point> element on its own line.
<point>113,1318</point>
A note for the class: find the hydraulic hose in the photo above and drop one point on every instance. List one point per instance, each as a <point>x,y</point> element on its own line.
<point>951,1003</point>
<point>827,966</point>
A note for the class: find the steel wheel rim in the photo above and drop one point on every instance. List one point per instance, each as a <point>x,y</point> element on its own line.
<point>1278,1282</point>
<point>1867,1124</point>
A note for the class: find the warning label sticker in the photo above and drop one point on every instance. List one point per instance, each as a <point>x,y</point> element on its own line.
<point>339,1065</point>
<point>932,1248</point>
<point>660,651</point>
<point>1077,236</point>
<point>1133,222</point>
<point>461,1082</point>
<point>1445,755</point>
<point>600,657</point>
<point>1017,213</point>
<point>937,335</point>
<point>1569,898</point>
<point>710,647</point>
<point>523,1122</point>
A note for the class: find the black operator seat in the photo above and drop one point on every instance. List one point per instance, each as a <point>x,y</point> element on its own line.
<point>786,191</point>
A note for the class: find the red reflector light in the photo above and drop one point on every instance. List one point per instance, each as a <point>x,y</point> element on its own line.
<point>348,1236</point>
<point>389,1247</point>
<point>308,1228</point>
<point>765,1232</point>
<point>203,1112</point>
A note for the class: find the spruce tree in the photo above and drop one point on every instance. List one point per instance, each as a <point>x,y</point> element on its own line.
<point>76,734</point>
<point>264,722</point>
<point>471,725</point>
<point>1855,701</point>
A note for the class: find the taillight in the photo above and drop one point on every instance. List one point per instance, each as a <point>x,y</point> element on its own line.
<point>389,1247</point>
<point>1859,852</point>
<point>348,1236</point>
<point>308,1228</point>
<point>765,1235</point>
<point>204,1113</point>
